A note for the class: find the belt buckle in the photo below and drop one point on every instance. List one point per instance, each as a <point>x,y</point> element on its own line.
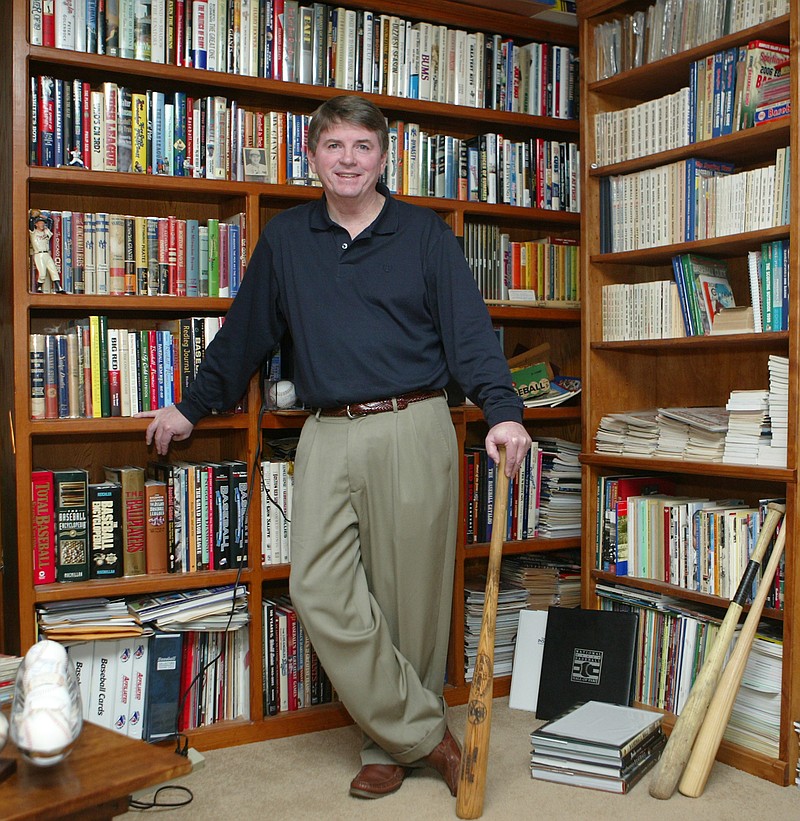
<point>353,415</point>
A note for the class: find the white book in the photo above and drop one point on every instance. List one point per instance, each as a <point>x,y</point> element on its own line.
<point>104,676</point>
<point>98,130</point>
<point>158,32</point>
<point>124,373</point>
<point>80,25</point>
<point>82,656</point>
<point>368,51</point>
<point>122,685</point>
<point>425,47</point>
<point>277,512</point>
<point>65,24</point>
<point>266,518</point>
<point>127,38</point>
<point>101,252</point>
<point>212,36</point>
<point>528,652</point>
<point>35,28</point>
<point>285,491</point>
<point>138,691</point>
<point>133,366</point>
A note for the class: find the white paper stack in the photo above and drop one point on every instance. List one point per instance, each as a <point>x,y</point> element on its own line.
<point>774,454</point>
<point>632,434</point>
<point>748,426</point>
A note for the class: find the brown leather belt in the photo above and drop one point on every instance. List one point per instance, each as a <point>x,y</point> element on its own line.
<point>380,405</point>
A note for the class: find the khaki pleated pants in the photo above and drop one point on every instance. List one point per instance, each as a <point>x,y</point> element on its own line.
<point>374,515</point>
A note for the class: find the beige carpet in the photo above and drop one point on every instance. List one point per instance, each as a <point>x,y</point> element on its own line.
<point>306,777</point>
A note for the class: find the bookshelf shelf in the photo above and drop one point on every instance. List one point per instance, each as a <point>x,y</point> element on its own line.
<point>94,443</point>
<point>481,551</point>
<point>693,371</point>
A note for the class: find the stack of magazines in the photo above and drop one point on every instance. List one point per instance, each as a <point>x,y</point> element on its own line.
<point>549,579</point>
<point>209,608</point>
<point>560,494</point>
<point>8,675</point>
<point>598,745</point>
<point>87,619</point>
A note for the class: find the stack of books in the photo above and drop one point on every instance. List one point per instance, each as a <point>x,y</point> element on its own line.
<point>598,745</point>
<point>8,675</point>
<point>634,433</point>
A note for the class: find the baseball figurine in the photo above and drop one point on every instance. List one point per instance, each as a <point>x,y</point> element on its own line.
<point>40,232</point>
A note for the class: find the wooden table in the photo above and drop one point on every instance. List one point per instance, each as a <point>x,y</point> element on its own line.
<point>92,783</point>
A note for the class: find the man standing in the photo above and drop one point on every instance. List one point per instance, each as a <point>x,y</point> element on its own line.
<point>40,233</point>
<point>383,311</point>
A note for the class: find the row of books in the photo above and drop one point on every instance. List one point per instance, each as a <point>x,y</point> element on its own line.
<point>91,371</point>
<point>126,255</point>
<point>768,273</point>
<point>293,677</point>
<point>547,266</point>
<point>321,44</point>
<point>690,200</point>
<point>598,745</point>
<point>641,310</point>
<point>155,686</point>
<point>728,91</point>
<point>170,517</point>
<point>537,173</point>
<point>672,645</point>
<point>8,676</point>
<point>671,26</point>
<point>523,502</point>
<point>277,483</point>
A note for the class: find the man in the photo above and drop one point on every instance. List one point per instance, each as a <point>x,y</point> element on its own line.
<point>383,311</point>
<point>40,233</point>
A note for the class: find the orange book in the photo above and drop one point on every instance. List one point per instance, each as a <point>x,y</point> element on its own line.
<point>155,541</point>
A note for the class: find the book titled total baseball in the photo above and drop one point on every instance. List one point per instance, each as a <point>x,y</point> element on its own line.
<point>282,394</point>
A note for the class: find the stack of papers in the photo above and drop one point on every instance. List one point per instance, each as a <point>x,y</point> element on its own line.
<point>86,619</point>
<point>705,431</point>
<point>510,600</point>
<point>215,608</point>
<point>629,434</point>
<point>774,454</point>
<point>560,495</point>
<point>549,579</point>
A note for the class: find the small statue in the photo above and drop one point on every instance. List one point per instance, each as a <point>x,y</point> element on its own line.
<point>40,232</point>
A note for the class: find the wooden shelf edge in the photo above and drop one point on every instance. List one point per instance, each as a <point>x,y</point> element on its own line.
<point>748,472</point>
<point>749,340</point>
<point>481,550</point>
<point>137,585</point>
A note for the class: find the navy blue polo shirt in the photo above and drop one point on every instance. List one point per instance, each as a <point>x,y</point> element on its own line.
<point>394,310</point>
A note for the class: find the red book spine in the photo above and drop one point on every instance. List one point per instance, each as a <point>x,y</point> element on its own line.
<point>48,23</point>
<point>86,125</point>
<point>43,530</point>
<point>172,256</point>
<point>179,37</point>
<point>152,357</point>
<point>180,257</point>
<point>47,125</point>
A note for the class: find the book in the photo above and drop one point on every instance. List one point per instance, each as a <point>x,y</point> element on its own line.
<point>155,502</point>
<point>105,528</point>
<point>528,651</point>
<point>131,478</point>
<point>588,655</point>
<point>43,527</point>
<point>136,703</point>
<point>601,728</point>
<point>163,686</point>
<point>71,492</point>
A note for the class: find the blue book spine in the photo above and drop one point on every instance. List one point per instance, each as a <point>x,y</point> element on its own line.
<point>162,699</point>
<point>717,101</point>
<point>235,248</point>
<point>62,376</point>
<point>785,283</point>
<point>67,280</point>
<point>730,59</point>
<point>179,143</point>
<point>58,113</point>
<point>777,285</point>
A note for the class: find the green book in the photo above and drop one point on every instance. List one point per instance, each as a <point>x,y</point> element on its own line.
<point>213,257</point>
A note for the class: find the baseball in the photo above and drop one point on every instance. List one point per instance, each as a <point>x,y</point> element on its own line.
<point>281,394</point>
<point>43,732</point>
<point>46,651</point>
<point>3,730</point>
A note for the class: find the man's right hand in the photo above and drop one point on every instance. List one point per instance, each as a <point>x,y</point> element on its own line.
<point>168,424</point>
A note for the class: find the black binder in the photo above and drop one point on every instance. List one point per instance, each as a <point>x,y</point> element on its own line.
<point>589,655</point>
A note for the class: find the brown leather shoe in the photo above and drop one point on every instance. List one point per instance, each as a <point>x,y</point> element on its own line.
<point>446,760</point>
<point>377,780</point>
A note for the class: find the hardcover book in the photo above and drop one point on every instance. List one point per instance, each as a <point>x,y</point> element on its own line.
<point>163,686</point>
<point>70,488</point>
<point>589,655</point>
<point>105,524</point>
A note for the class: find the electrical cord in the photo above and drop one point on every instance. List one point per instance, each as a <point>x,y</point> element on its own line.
<point>136,804</point>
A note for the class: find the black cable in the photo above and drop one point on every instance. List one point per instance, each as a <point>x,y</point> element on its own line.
<point>135,804</point>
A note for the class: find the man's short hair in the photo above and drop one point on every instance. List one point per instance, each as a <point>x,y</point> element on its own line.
<point>350,109</point>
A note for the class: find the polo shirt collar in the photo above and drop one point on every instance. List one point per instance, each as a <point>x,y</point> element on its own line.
<point>387,221</point>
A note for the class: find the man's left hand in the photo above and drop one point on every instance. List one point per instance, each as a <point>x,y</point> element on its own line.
<point>517,443</point>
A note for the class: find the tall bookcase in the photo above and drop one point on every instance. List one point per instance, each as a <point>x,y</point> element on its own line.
<point>623,376</point>
<point>91,443</point>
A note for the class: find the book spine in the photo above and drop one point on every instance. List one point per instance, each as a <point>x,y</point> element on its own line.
<point>43,527</point>
<point>105,524</point>
<point>70,489</point>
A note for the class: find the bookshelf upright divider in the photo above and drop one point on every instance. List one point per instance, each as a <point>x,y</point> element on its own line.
<point>95,442</point>
<point>638,372</point>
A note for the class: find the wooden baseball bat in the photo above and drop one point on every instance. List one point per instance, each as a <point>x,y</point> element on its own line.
<point>719,710</point>
<point>475,754</point>
<point>683,735</point>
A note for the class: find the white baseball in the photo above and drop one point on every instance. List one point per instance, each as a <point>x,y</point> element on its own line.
<point>43,676</point>
<point>46,651</point>
<point>43,732</point>
<point>282,394</point>
<point>49,697</point>
<point>3,730</point>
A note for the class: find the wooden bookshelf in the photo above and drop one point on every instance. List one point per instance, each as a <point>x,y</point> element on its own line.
<point>698,370</point>
<point>92,442</point>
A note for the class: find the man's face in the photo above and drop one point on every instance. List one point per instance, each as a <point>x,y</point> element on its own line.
<point>348,161</point>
